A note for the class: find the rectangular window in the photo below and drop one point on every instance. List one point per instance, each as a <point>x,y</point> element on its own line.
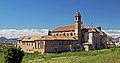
<point>70,43</point>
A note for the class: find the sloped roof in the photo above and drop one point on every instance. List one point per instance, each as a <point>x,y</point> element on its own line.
<point>64,28</point>
<point>67,28</point>
<point>101,32</point>
<point>33,38</point>
<point>91,29</point>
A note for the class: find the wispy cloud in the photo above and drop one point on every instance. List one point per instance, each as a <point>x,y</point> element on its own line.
<point>113,33</point>
<point>13,33</point>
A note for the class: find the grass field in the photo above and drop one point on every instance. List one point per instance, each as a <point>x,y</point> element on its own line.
<point>97,56</point>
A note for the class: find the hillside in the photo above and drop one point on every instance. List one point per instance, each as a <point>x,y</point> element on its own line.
<point>98,56</point>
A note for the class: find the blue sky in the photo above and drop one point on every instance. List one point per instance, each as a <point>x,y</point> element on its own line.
<point>39,14</point>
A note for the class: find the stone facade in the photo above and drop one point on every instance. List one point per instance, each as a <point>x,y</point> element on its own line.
<point>49,44</point>
<point>75,37</point>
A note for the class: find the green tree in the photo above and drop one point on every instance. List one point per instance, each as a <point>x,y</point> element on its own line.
<point>13,54</point>
<point>2,45</point>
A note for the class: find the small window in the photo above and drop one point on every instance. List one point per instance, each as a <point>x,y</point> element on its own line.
<point>42,37</point>
<point>67,34</point>
<point>71,34</point>
<point>32,44</point>
<point>29,38</point>
<point>70,43</point>
<point>56,34</point>
<point>27,43</point>
<point>75,18</point>
<point>74,33</point>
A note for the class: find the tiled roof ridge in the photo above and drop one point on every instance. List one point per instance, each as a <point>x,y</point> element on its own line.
<point>33,38</point>
<point>67,28</point>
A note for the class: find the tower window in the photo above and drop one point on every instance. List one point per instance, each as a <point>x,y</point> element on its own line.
<point>75,18</point>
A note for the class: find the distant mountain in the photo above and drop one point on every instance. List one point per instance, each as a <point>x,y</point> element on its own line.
<point>8,41</point>
<point>2,39</point>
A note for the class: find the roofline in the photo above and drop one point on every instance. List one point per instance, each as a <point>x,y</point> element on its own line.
<point>64,31</point>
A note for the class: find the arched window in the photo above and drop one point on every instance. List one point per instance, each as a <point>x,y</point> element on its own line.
<point>57,34</point>
<point>75,17</point>
<point>67,34</point>
<point>63,34</point>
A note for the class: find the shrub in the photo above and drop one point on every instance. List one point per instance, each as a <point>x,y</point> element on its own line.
<point>2,45</point>
<point>13,54</point>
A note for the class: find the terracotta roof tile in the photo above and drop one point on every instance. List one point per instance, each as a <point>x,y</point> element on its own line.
<point>64,28</point>
<point>91,29</point>
<point>67,28</point>
<point>33,38</point>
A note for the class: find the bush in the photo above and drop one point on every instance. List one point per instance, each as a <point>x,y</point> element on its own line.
<point>2,45</point>
<point>13,54</point>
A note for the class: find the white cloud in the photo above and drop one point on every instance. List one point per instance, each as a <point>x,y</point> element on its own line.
<point>113,33</point>
<point>13,33</point>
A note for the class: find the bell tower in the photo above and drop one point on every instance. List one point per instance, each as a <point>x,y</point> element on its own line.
<point>77,19</point>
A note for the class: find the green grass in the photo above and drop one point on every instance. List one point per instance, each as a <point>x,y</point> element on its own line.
<point>1,57</point>
<point>97,56</point>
